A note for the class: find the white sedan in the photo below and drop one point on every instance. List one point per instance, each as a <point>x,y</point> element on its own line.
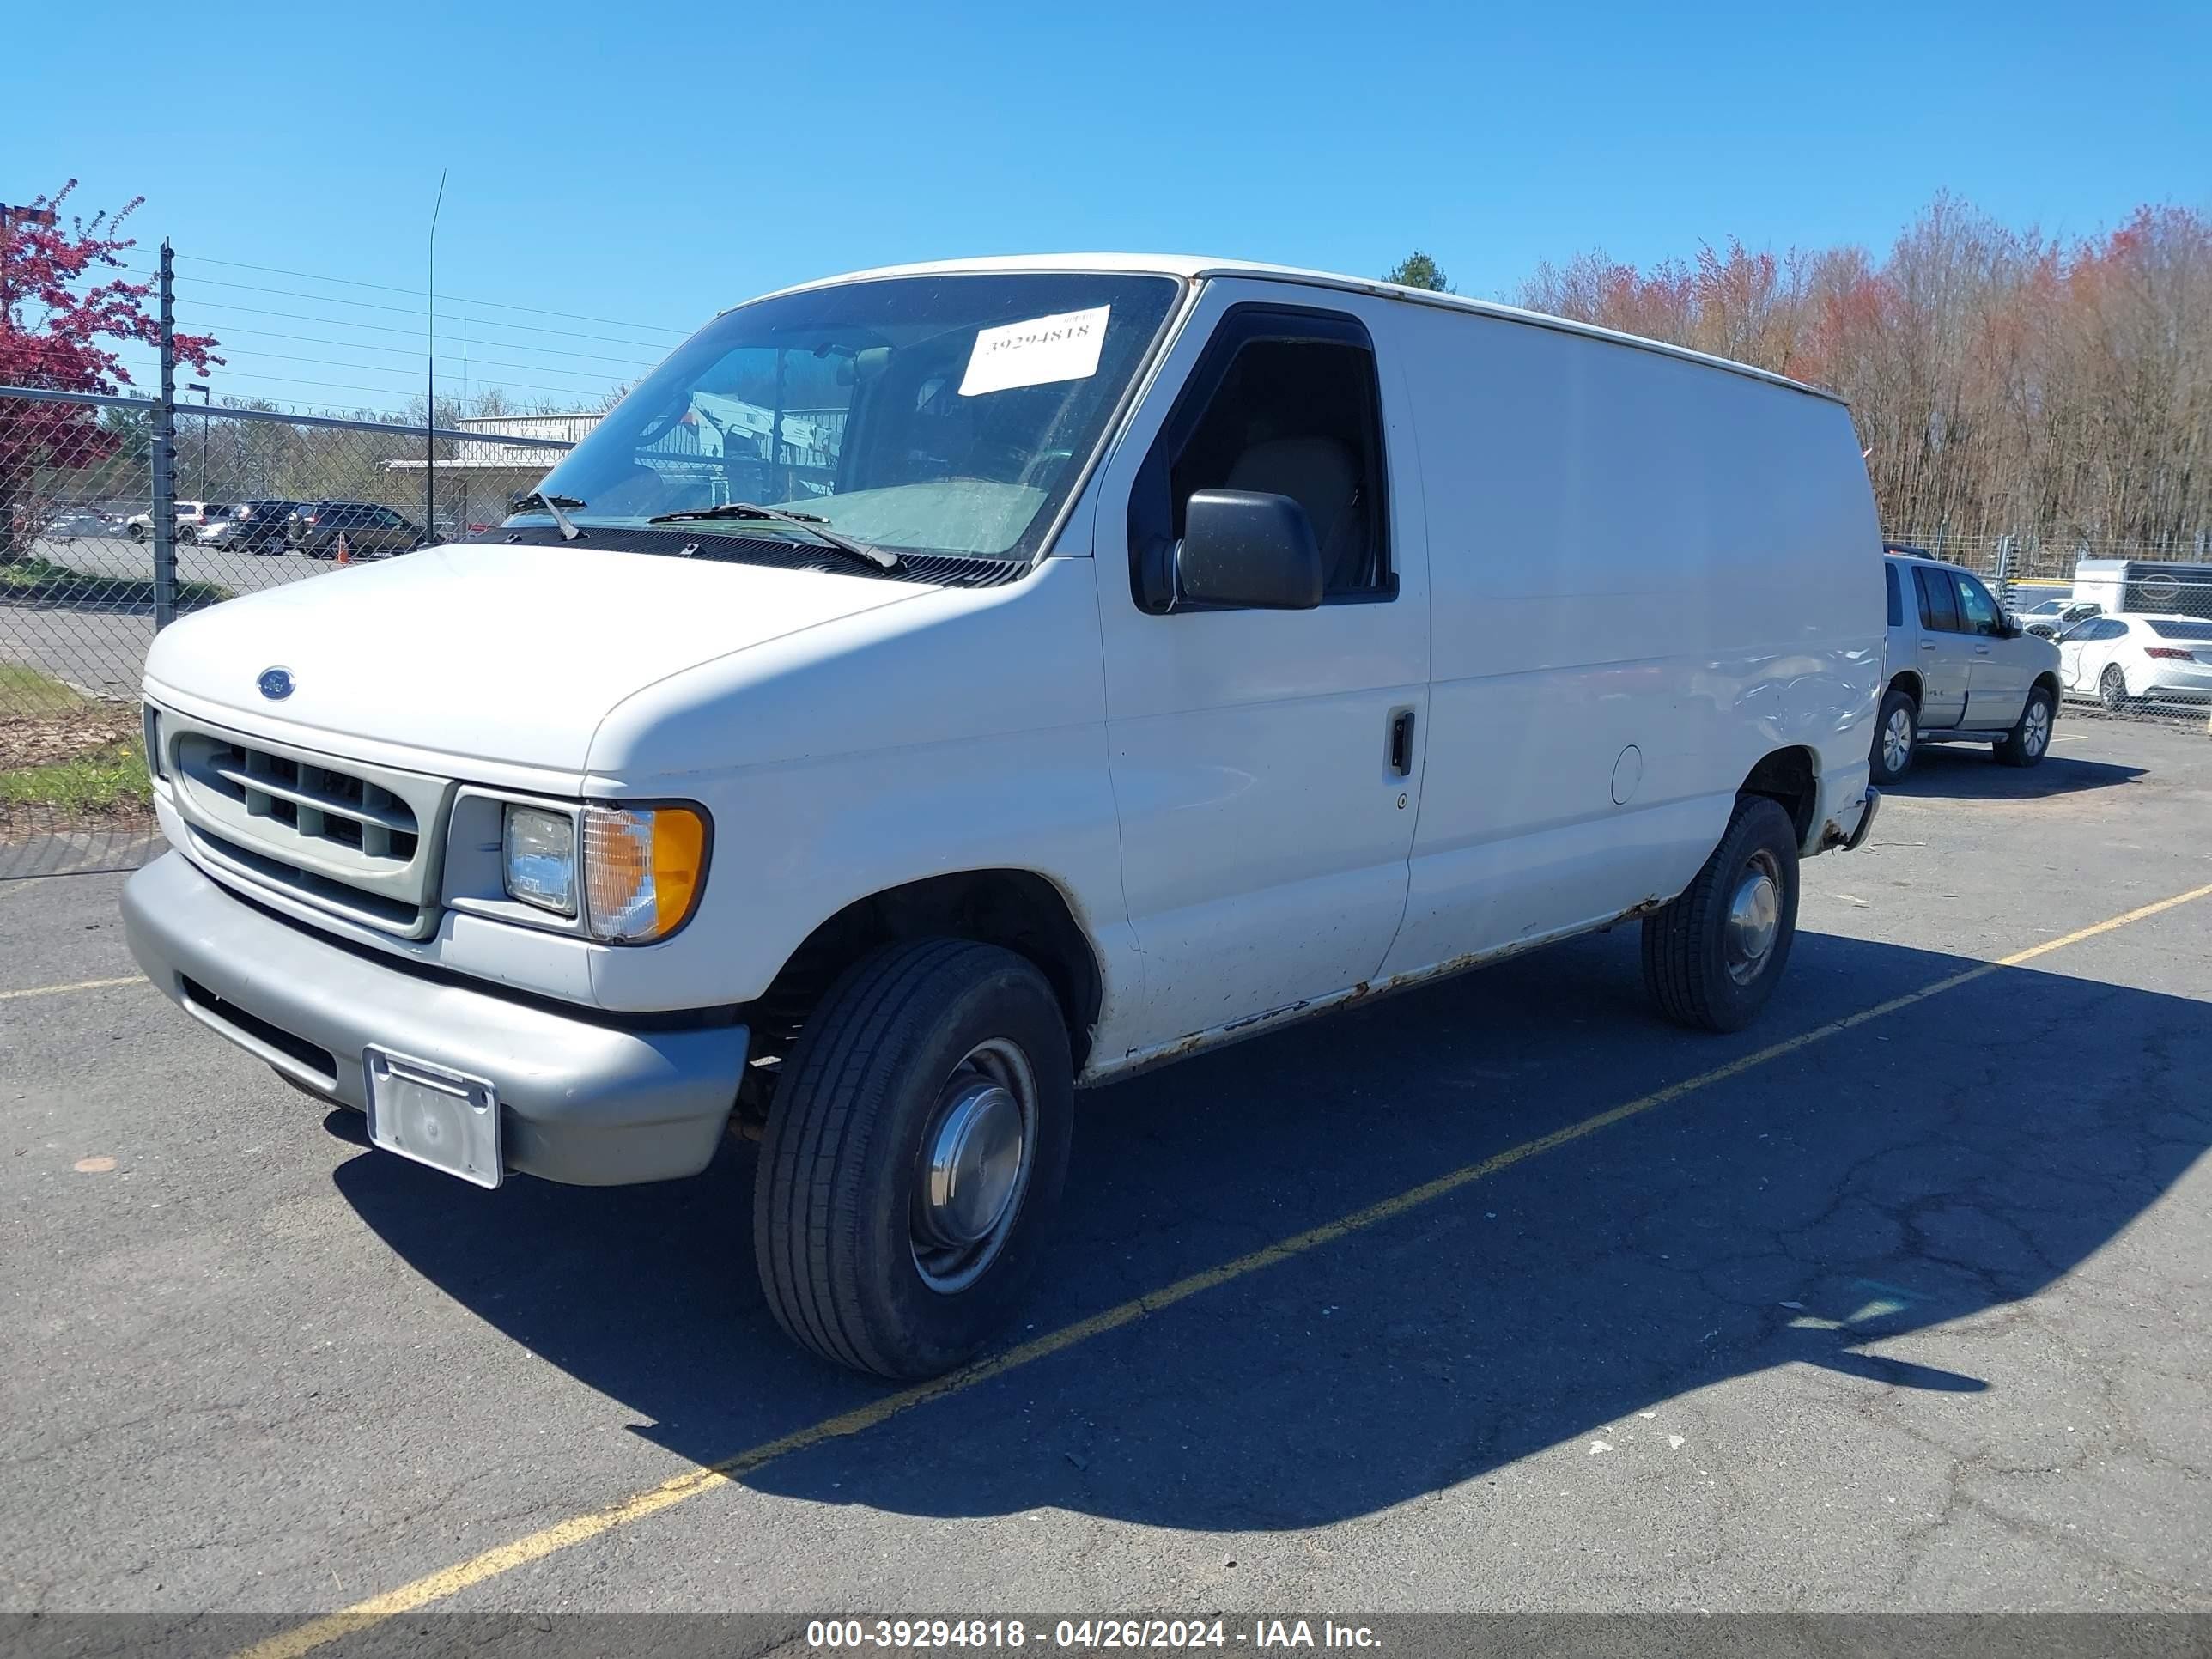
<point>2124,657</point>
<point>2052,617</point>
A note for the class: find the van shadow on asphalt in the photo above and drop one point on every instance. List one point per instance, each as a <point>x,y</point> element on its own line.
<point>1920,1169</point>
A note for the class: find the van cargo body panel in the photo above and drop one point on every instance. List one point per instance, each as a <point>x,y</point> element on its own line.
<point>1629,552</point>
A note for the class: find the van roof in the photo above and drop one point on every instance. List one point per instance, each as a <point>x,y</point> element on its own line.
<point>1192,266</point>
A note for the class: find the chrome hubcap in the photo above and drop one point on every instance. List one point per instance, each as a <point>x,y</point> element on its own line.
<point>1897,740</point>
<point>1754,917</point>
<point>973,1165</point>
<point>2037,733</point>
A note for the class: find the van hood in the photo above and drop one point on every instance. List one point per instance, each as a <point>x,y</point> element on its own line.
<point>487,650</point>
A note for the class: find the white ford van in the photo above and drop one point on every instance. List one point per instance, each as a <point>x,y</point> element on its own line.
<point>934,690</point>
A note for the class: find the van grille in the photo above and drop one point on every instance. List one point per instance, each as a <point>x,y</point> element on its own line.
<point>356,839</point>
<point>318,802</point>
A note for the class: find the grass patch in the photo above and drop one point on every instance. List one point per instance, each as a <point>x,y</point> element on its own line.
<point>43,581</point>
<point>67,755</point>
<point>102,782</point>
<point>26,691</point>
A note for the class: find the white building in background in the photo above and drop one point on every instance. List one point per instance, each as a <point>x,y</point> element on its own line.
<point>481,476</point>
<point>484,476</point>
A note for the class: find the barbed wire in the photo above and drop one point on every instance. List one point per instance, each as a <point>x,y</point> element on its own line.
<point>601,382</point>
<point>636,364</point>
<point>551,363</point>
<point>187,284</point>
<point>462,300</point>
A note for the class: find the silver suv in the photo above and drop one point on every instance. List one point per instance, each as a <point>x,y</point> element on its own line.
<point>1960,670</point>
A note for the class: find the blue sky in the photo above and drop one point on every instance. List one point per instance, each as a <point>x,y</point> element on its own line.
<point>652,164</point>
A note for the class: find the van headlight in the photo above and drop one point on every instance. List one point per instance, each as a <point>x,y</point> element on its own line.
<point>538,849</point>
<point>641,867</point>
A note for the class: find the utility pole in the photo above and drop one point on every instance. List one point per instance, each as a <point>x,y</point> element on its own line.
<point>164,455</point>
<point>430,393</point>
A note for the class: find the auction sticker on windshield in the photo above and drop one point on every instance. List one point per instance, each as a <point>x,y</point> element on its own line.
<point>1064,347</point>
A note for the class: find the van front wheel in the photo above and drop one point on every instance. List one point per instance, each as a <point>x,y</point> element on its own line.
<point>913,1156</point>
<point>1713,957</point>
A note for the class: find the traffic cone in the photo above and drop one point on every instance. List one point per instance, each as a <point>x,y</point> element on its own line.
<point>345,552</point>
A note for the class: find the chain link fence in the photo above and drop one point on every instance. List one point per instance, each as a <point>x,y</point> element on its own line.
<point>93,562</point>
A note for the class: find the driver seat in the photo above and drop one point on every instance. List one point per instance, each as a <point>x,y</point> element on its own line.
<point>1320,474</point>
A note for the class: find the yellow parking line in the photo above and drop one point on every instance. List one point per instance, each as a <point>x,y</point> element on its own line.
<point>506,1558</point>
<point>79,985</point>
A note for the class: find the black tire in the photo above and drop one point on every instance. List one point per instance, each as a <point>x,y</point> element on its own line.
<point>2112,689</point>
<point>1686,946</point>
<point>2029,740</point>
<point>137,532</point>
<point>834,1197</point>
<point>1898,704</point>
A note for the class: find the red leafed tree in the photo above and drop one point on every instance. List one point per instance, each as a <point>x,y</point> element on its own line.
<point>62,317</point>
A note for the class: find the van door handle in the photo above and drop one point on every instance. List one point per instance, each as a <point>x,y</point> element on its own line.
<point>1402,742</point>
<point>1981,650</point>
<point>1927,645</point>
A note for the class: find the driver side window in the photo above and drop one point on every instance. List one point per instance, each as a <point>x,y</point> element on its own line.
<point>1978,611</point>
<point>1283,403</point>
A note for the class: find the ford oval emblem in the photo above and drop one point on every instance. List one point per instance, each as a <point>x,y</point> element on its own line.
<point>275,683</point>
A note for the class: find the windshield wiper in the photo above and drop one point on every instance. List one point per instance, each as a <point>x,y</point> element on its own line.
<point>813,524</point>
<point>552,504</point>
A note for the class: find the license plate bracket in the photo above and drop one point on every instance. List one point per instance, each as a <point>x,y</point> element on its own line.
<point>435,1115</point>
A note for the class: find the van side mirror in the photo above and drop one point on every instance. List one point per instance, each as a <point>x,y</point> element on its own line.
<point>1241,550</point>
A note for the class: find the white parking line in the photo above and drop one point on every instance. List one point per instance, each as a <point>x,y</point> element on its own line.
<point>79,984</point>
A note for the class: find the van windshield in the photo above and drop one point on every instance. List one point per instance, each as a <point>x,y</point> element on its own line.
<point>948,413</point>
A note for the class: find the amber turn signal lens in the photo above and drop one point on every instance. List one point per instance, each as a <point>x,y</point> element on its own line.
<point>643,868</point>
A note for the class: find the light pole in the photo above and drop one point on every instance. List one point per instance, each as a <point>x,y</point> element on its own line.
<point>430,364</point>
<point>196,386</point>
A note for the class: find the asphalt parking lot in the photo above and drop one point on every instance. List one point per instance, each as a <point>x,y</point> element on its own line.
<point>1898,1301</point>
<point>99,645</point>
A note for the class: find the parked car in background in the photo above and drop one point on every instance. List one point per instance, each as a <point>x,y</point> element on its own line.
<point>192,518</point>
<point>257,527</point>
<point>1959,671</point>
<point>77,523</point>
<point>139,526</point>
<point>2120,660</point>
<point>202,518</point>
<point>368,530</point>
<point>2048,618</point>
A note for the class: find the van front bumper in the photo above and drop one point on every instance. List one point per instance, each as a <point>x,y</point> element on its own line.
<point>580,1100</point>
